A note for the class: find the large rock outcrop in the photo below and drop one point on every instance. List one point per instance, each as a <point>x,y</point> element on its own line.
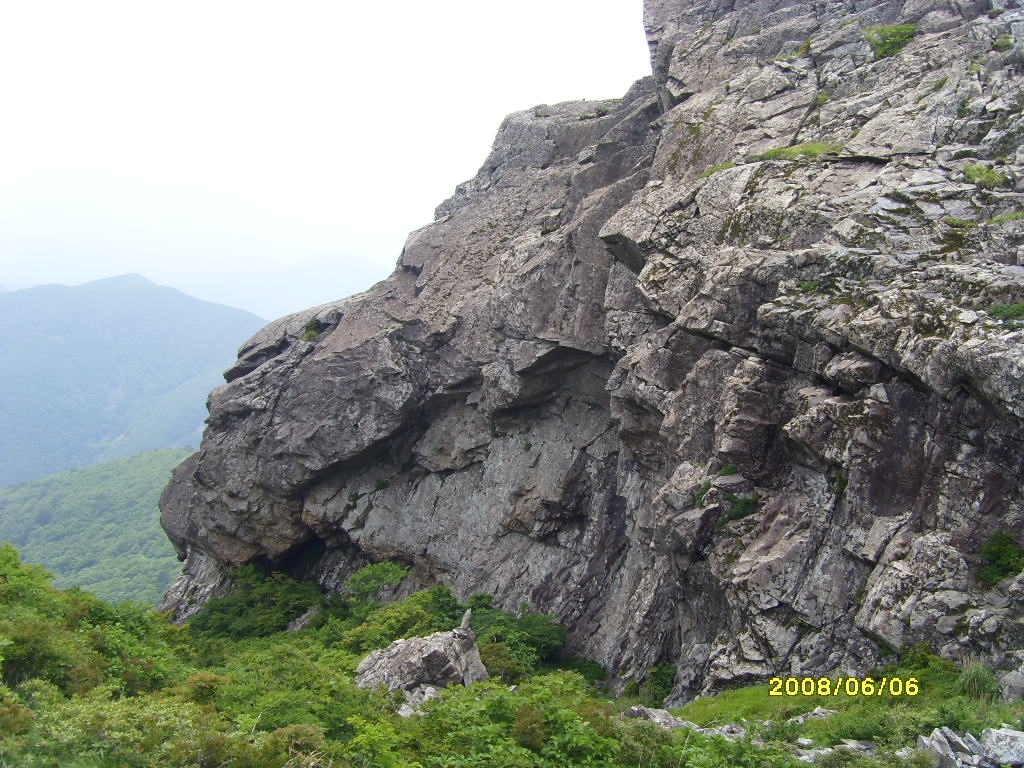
<point>712,372</point>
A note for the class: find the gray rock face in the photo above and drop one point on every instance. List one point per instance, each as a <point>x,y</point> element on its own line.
<point>421,666</point>
<point>711,372</point>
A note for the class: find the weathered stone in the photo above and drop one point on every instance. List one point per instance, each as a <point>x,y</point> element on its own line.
<point>660,716</point>
<point>1004,745</point>
<point>420,666</point>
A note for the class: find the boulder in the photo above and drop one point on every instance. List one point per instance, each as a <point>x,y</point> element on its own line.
<point>421,666</point>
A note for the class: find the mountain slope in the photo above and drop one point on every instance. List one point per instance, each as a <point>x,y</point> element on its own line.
<point>106,369</point>
<point>724,374</point>
<point>97,527</point>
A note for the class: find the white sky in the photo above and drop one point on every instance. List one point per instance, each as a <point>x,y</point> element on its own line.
<point>187,139</point>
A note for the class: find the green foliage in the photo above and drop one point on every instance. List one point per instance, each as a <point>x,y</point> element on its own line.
<point>978,681</point>
<point>808,286</point>
<point>368,582</point>
<point>311,330</point>
<point>983,176</point>
<point>659,683</point>
<point>517,646</point>
<point>1001,556</point>
<point>98,527</point>
<point>1007,311</point>
<point>144,696</point>
<point>258,605</point>
<point>821,99</point>
<point>1002,43</point>
<point>1005,217</point>
<point>700,493</point>
<point>740,506</point>
<point>809,150</point>
<point>716,168</point>
<point>889,40</point>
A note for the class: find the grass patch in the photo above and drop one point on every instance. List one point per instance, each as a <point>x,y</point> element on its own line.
<point>984,177</point>
<point>698,497</point>
<point>1004,217</point>
<point>888,41</point>
<point>716,168</point>
<point>808,286</point>
<point>963,699</point>
<point>1007,311</point>
<point>1002,43</point>
<point>809,150</point>
<point>953,221</point>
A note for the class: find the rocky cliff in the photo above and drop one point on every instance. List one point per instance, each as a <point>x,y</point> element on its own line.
<point>722,374</point>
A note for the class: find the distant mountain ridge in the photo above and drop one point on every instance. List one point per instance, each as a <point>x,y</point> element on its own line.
<point>107,369</point>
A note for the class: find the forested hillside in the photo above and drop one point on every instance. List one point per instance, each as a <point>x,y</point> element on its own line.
<point>105,370</point>
<point>97,527</point>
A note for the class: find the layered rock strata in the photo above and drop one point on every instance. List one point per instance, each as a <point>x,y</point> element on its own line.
<point>721,374</point>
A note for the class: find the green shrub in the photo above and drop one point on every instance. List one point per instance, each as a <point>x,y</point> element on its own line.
<point>311,330</point>
<point>808,286</point>
<point>368,582</point>
<point>1007,311</point>
<point>1001,556</point>
<point>1004,217</point>
<point>700,493</point>
<point>983,176</point>
<point>888,41</point>
<point>740,506</point>
<point>809,150</point>
<point>258,605</point>
<point>659,684</point>
<point>1002,43</point>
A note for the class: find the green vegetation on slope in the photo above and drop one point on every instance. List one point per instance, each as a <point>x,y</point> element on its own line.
<point>962,699</point>
<point>98,527</point>
<point>888,41</point>
<point>106,370</point>
<point>90,685</point>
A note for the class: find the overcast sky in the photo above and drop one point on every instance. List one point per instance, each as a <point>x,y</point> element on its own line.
<point>193,141</point>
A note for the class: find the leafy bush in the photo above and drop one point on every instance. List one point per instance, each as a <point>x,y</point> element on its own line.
<point>888,41</point>
<point>740,506</point>
<point>984,176</point>
<point>1007,311</point>
<point>368,582</point>
<point>1002,43</point>
<point>311,330</point>
<point>1001,556</point>
<point>258,605</point>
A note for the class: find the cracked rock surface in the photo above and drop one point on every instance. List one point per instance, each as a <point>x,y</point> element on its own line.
<point>713,373</point>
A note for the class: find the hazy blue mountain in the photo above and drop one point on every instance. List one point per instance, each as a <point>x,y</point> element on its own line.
<point>97,527</point>
<point>107,369</point>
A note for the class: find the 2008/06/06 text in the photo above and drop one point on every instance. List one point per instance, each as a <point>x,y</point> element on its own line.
<point>843,686</point>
